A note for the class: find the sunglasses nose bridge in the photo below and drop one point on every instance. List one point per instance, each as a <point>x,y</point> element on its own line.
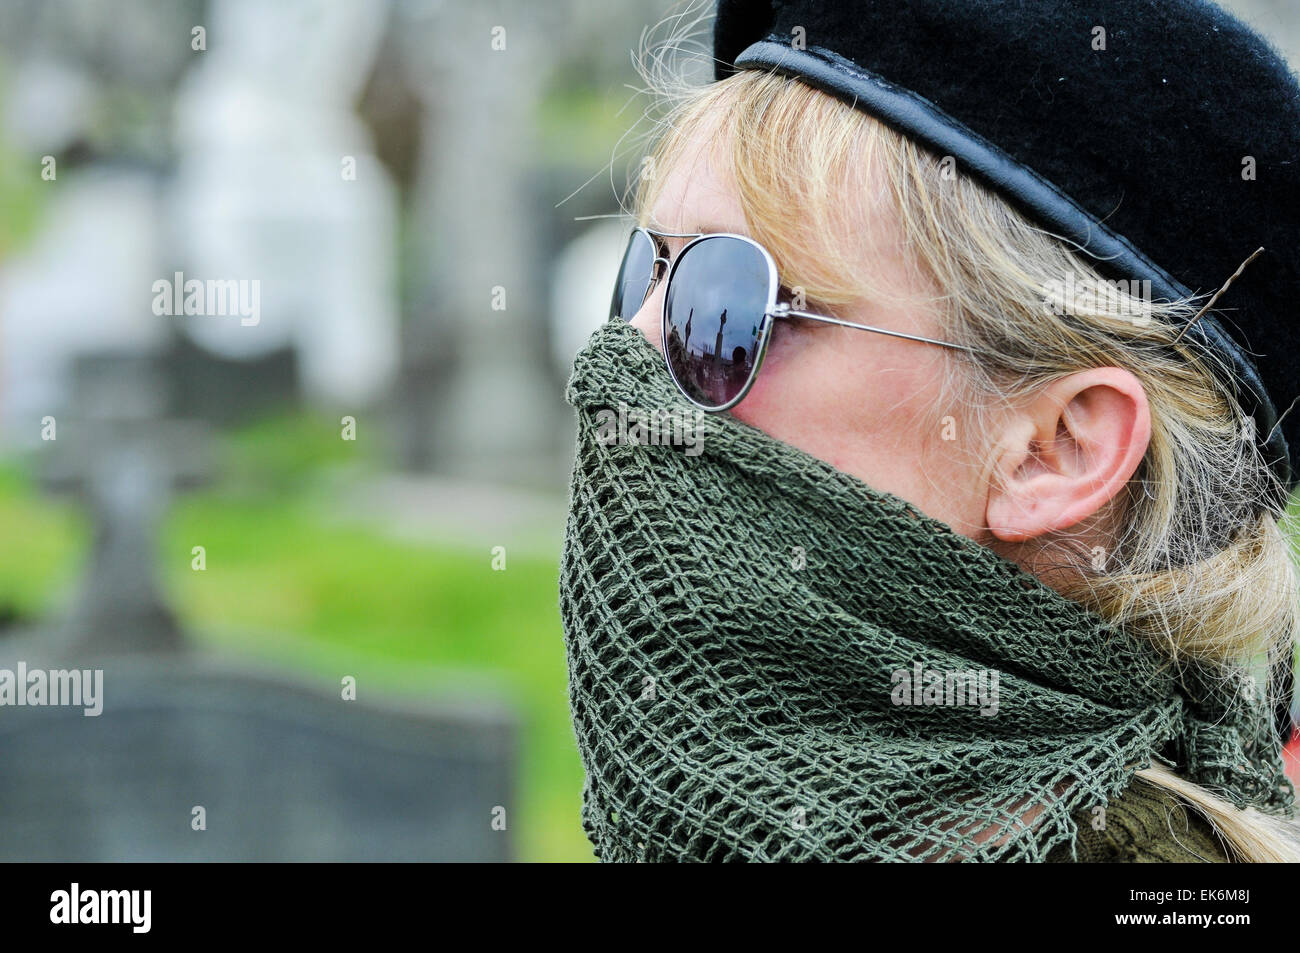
<point>658,268</point>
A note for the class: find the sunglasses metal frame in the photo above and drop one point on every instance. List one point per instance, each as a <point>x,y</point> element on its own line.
<point>773,311</point>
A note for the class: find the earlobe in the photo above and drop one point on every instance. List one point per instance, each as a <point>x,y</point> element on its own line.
<point>1067,453</point>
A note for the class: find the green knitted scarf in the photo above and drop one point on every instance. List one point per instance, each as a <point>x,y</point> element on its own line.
<point>769,660</point>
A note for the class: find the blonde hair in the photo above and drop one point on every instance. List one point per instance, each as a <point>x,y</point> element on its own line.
<point>1193,565</point>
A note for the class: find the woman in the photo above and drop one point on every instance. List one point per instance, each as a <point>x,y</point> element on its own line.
<point>983,556</point>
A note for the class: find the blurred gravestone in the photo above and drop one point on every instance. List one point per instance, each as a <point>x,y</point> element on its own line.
<point>276,183</point>
<point>477,211</point>
<point>222,390</point>
<point>284,772</point>
<point>116,452</point>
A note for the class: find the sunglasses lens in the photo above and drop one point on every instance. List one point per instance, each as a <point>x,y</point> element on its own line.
<point>717,297</point>
<point>634,277</point>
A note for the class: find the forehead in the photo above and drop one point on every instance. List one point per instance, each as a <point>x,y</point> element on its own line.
<point>698,190</point>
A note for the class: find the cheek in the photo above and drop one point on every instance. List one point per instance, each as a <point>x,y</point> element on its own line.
<point>866,411</point>
<point>835,399</point>
<point>783,390</point>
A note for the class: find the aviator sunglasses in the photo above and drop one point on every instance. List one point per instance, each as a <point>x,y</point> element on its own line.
<point>720,306</point>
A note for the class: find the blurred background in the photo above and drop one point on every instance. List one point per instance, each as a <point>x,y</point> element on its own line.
<point>288,296</point>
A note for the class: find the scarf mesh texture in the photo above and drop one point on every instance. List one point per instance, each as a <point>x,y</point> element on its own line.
<point>731,703</point>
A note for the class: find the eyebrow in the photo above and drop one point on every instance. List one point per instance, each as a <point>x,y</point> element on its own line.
<point>703,228</point>
<point>709,229</point>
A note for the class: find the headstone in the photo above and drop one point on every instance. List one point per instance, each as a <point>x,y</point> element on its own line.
<point>124,459</point>
<point>281,770</point>
<point>81,287</point>
<point>478,208</point>
<point>220,390</point>
<point>277,183</point>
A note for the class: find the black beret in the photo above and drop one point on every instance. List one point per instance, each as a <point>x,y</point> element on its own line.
<point>1166,144</point>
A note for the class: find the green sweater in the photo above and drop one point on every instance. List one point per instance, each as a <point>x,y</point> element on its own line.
<point>1145,825</point>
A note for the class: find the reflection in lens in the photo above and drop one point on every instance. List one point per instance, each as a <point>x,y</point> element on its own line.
<point>634,277</point>
<point>715,306</point>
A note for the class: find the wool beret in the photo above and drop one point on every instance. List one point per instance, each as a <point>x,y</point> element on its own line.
<point>1160,136</point>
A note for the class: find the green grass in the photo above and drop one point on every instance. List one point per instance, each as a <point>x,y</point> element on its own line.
<point>289,587</point>
<point>410,619</point>
<point>45,540</point>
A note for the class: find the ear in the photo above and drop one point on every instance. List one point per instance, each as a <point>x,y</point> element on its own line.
<point>1066,453</point>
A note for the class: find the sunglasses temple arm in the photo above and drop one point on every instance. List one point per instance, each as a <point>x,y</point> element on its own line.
<point>866,327</point>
